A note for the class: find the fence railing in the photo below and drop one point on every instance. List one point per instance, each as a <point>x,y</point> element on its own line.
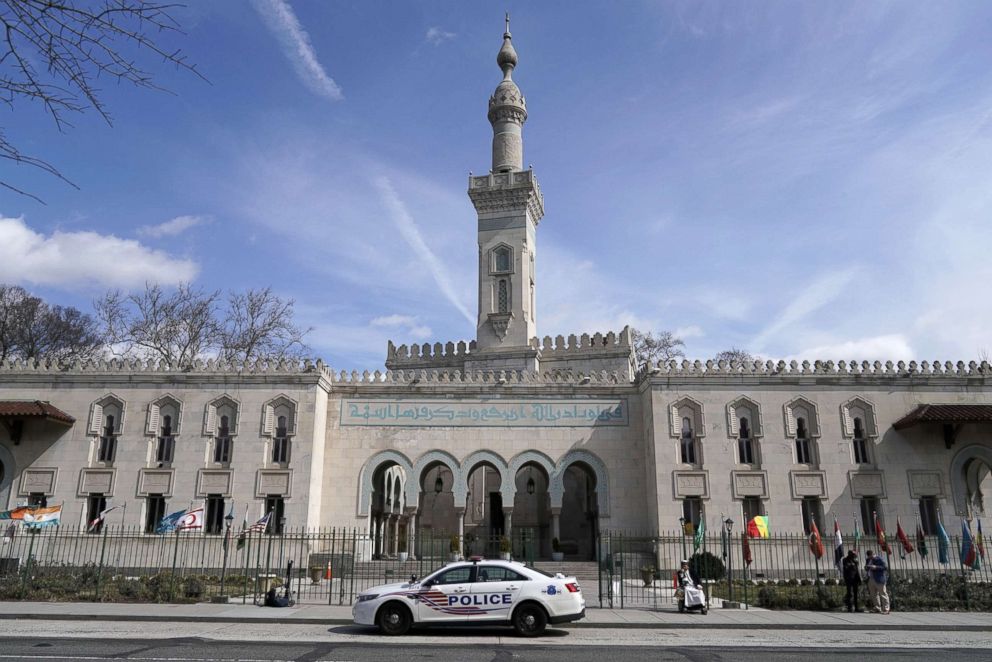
<point>638,570</point>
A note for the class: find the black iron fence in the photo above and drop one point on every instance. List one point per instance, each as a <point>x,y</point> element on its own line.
<point>781,571</point>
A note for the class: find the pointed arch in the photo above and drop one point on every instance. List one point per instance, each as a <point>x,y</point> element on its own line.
<point>368,471</point>
<point>7,477</point>
<point>745,407</point>
<point>795,409</point>
<point>684,407</point>
<point>489,457</point>
<point>959,479</point>
<point>459,487</point>
<point>598,468</point>
<point>164,405</point>
<point>858,407</point>
<point>281,405</point>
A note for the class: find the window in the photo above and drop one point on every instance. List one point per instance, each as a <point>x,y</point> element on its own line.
<point>154,511</point>
<point>166,449</point>
<point>860,443</point>
<point>108,442</point>
<point>280,443</point>
<point>38,500</point>
<point>803,450</point>
<point>503,296</point>
<point>928,515</point>
<point>495,573</point>
<point>501,260</point>
<point>869,507</point>
<point>745,445</point>
<point>688,443</point>
<point>454,576</point>
<point>215,514</point>
<point>752,507</point>
<point>95,504</point>
<point>277,506</point>
<point>222,442</point>
<point>812,512</point>
<point>692,513</point>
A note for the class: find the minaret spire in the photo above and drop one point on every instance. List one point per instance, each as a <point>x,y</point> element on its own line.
<point>507,111</point>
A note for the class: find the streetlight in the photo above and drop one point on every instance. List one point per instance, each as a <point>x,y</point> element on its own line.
<point>682,529</point>
<point>728,525</point>
<point>438,488</point>
<point>228,520</point>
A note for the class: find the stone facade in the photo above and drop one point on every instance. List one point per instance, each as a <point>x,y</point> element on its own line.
<point>559,438</point>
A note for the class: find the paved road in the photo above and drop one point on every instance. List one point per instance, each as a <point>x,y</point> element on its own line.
<point>196,650</point>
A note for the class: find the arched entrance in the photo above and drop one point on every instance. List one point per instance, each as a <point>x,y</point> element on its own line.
<point>438,519</point>
<point>388,520</point>
<point>531,513</point>
<point>485,522</point>
<point>971,481</point>
<point>579,512</point>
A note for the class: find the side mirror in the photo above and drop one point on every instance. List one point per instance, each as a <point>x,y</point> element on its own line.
<point>413,579</point>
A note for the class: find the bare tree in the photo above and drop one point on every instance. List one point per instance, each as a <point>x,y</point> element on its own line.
<point>260,324</point>
<point>736,354</point>
<point>178,327</point>
<point>649,349</point>
<point>31,328</point>
<point>53,53</point>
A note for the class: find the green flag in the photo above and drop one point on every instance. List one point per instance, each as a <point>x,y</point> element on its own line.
<point>697,540</point>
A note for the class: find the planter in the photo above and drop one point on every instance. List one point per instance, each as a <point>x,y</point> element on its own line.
<point>557,557</point>
<point>403,556</point>
<point>647,576</point>
<point>316,574</point>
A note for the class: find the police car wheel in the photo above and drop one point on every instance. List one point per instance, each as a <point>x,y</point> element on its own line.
<point>529,620</point>
<point>394,619</point>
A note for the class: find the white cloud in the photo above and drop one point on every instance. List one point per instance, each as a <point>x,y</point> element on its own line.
<point>281,20</point>
<point>74,259</point>
<point>172,227</point>
<point>408,228</point>
<point>410,326</point>
<point>892,347</point>
<point>691,331</point>
<point>436,35</point>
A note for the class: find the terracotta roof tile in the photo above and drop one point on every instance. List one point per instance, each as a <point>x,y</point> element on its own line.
<point>931,413</point>
<point>34,408</point>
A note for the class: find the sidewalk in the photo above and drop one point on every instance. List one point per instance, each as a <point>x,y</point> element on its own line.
<point>726,619</point>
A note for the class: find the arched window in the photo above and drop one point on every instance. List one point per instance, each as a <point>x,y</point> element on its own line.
<point>745,444</point>
<point>165,452</point>
<point>860,442</point>
<point>803,450</point>
<point>501,260</point>
<point>280,442</point>
<point>503,296</point>
<point>687,445</point>
<point>222,442</point>
<point>108,441</point>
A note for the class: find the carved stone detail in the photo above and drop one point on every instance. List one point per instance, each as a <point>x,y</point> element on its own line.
<point>925,483</point>
<point>691,484</point>
<point>501,323</point>
<point>866,484</point>
<point>40,480</point>
<point>808,483</point>
<point>749,484</point>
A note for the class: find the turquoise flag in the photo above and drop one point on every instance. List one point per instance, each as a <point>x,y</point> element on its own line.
<point>943,544</point>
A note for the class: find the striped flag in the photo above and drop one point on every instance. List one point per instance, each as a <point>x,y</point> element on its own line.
<point>758,527</point>
<point>907,547</point>
<point>170,523</point>
<point>880,534</point>
<point>838,547</point>
<point>969,555</point>
<point>857,535</point>
<point>40,517</point>
<point>943,544</point>
<point>257,527</point>
<point>94,525</point>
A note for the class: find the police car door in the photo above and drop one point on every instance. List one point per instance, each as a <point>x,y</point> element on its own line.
<point>495,591</point>
<point>446,597</point>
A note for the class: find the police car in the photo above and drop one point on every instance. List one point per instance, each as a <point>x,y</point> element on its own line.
<point>476,592</point>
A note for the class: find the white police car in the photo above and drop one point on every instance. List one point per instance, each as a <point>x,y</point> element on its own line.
<point>476,592</point>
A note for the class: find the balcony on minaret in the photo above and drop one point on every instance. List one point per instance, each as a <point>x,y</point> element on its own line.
<point>506,191</point>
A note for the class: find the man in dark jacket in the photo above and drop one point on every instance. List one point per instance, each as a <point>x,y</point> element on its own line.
<point>852,580</point>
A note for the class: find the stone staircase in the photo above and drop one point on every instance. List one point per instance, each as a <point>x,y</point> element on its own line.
<point>587,572</point>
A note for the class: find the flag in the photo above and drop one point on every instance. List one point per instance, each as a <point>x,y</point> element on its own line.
<point>244,526</point>
<point>99,519</point>
<point>170,523</point>
<point>257,527</point>
<point>746,549</point>
<point>968,553</point>
<point>907,547</point>
<point>192,520</point>
<point>815,542</point>
<point>698,539</point>
<point>857,535</point>
<point>880,534</point>
<point>838,547</point>
<point>724,541</point>
<point>943,544</point>
<point>980,541</point>
<point>16,513</point>
<point>39,517</point>
<point>758,527</point>
<point>921,541</point>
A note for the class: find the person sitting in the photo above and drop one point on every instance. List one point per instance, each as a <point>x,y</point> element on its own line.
<point>692,589</point>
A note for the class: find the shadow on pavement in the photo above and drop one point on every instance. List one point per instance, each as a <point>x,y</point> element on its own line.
<point>550,633</point>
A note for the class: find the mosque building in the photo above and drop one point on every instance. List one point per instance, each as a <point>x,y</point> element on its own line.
<point>508,434</point>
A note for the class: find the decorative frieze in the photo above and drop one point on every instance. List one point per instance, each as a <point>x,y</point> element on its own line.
<point>38,480</point>
<point>749,484</point>
<point>96,481</point>
<point>155,481</point>
<point>925,483</point>
<point>687,484</point>
<point>273,482</point>
<point>214,481</point>
<point>576,412</point>
<point>808,484</point>
<point>866,484</point>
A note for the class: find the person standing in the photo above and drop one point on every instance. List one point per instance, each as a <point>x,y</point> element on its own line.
<point>878,577</point>
<point>852,580</point>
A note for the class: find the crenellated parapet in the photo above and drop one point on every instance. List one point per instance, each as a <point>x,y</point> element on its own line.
<point>507,191</point>
<point>880,369</point>
<point>610,351</point>
<point>491,377</point>
<point>427,356</point>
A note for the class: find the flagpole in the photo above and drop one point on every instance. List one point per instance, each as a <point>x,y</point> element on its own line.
<point>103,549</point>
<point>175,557</point>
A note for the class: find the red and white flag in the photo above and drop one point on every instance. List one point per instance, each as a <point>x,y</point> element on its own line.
<point>98,520</point>
<point>192,520</point>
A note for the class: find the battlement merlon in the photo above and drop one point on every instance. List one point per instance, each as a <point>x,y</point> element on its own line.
<point>516,190</point>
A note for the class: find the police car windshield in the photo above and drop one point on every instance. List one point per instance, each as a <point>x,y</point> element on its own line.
<point>546,574</point>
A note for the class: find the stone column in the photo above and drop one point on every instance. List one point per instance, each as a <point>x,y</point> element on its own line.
<point>460,515</point>
<point>556,523</point>
<point>396,534</point>
<point>411,534</point>
<point>507,522</point>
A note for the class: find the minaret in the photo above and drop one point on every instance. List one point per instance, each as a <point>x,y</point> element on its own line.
<point>509,205</point>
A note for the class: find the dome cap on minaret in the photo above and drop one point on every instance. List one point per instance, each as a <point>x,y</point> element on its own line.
<point>507,56</point>
<point>507,98</point>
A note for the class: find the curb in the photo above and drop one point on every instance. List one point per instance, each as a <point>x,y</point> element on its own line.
<point>576,625</point>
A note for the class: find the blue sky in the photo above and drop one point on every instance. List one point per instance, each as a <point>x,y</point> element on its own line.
<point>805,180</point>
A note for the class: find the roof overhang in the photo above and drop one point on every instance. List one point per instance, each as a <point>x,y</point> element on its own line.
<point>951,417</point>
<point>13,413</point>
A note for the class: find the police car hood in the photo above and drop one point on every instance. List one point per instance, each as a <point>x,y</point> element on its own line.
<point>389,588</point>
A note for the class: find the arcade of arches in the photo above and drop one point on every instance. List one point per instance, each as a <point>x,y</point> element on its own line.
<point>529,502</point>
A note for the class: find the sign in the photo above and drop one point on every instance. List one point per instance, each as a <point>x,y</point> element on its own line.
<point>484,413</point>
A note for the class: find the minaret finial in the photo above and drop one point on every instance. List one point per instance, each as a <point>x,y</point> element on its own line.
<point>507,31</point>
<point>507,110</point>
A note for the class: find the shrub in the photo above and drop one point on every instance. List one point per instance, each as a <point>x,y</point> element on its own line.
<point>706,565</point>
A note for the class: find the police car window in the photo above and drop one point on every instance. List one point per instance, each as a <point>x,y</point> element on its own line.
<point>454,576</point>
<point>544,572</point>
<point>499,574</point>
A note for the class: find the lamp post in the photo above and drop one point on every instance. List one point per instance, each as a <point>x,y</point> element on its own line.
<point>728,525</point>
<point>228,520</point>
<point>438,488</point>
<point>682,529</point>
